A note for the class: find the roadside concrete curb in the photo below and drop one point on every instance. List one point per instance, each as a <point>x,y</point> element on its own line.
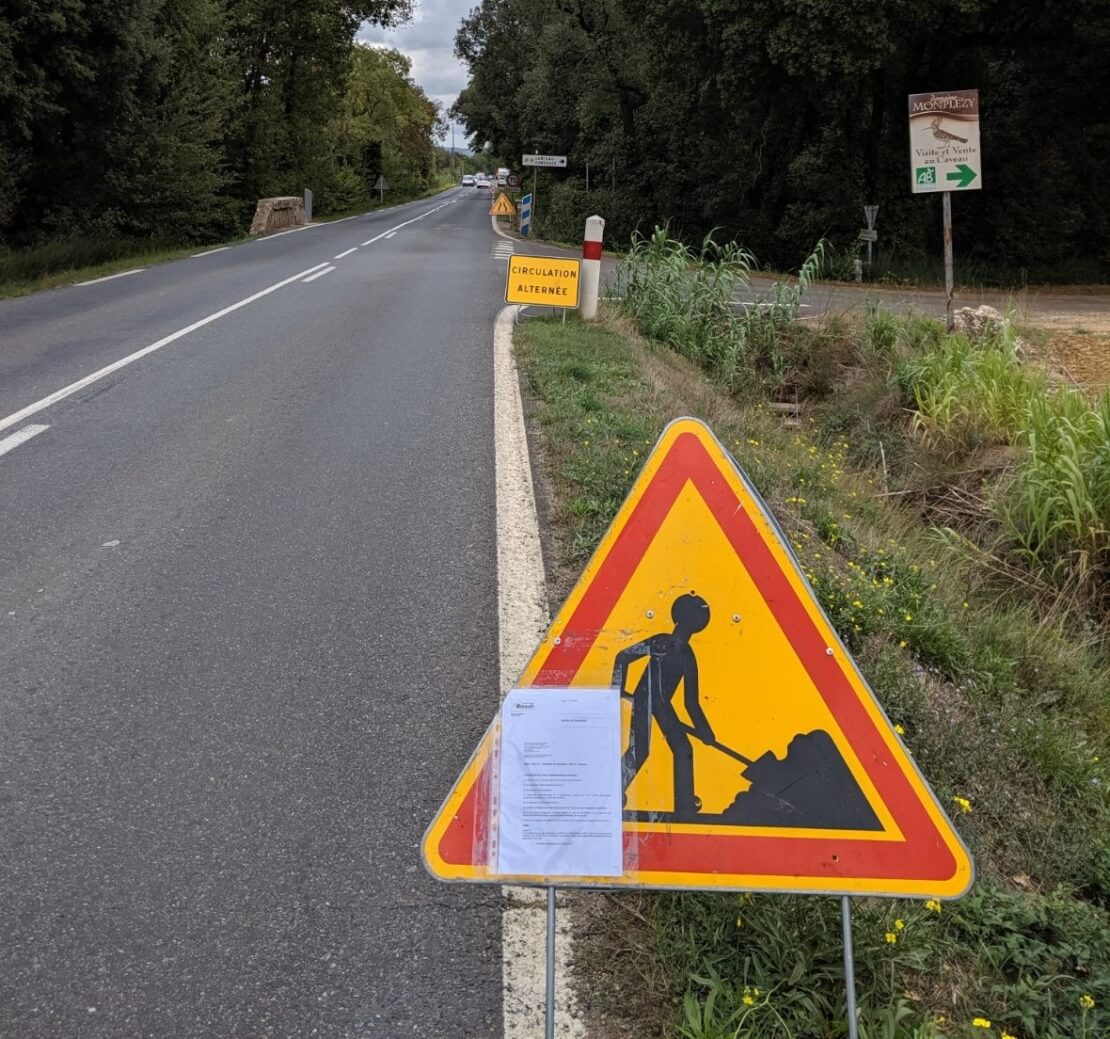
<point>523,621</point>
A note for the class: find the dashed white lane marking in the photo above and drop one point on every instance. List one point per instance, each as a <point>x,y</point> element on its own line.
<point>346,252</point>
<point>522,622</point>
<point>75,387</point>
<point>393,230</point>
<point>318,274</point>
<point>20,436</point>
<point>112,277</point>
<point>210,252</point>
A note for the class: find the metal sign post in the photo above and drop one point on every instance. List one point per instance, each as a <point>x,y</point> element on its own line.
<point>871,235</point>
<point>949,277</point>
<point>549,1016</point>
<point>547,161</point>
<point>849,966</point>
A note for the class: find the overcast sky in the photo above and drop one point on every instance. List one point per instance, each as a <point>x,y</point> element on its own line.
<point>429,40</point>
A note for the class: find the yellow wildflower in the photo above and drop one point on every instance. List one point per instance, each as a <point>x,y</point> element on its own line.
<point>963,804</point>
<point>908,616</point>
<point>891,938</point>
<point>980,1022</point>
<point>748,1000</point>
<point>903,644</point>
<point>739,921</point>
<point>933,905</point>
<point>899,925</point>
<point>900,729</point>
<point>1086,1001</point>
<point>754,443</point>
<point>1006,1035</point>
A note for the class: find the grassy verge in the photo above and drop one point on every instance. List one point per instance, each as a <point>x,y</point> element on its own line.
<point>1003,698</point>
<point>80,258</point>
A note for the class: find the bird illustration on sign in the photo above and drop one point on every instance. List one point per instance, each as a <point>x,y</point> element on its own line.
<point>946,137</point>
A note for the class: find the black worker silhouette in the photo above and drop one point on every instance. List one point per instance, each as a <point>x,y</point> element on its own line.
<point>670,661</point>
<point>812,786</point>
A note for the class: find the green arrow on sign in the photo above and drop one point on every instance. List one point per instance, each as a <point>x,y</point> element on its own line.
<point>963,174</point>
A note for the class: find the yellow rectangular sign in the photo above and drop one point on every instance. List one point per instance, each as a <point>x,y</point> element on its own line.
<point>544,281</point>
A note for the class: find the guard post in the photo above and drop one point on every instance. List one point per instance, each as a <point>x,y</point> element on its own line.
<point>591,267</point>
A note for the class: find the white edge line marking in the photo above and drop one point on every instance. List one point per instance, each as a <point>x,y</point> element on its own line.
<point>346,252</point>
<point>522,622</point>
<point>318,274</point>
<point>292,230</point>
<point>209,252</point>
<point>391,234</point>
<point>123,362</point>
<point>21,436</point>
<point>753,303</point>
<point>497,230</point>
<point>112,277</point>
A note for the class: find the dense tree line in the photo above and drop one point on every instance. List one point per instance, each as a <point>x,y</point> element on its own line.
<point>778,119</point>
<point>170,118</point>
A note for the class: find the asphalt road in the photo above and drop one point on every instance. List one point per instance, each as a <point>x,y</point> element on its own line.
<point>248,635</point>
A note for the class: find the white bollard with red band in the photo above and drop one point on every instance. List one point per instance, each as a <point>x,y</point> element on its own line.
<point>591,267</point>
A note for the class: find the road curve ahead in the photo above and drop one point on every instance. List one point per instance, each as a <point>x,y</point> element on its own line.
<point>248,637</point>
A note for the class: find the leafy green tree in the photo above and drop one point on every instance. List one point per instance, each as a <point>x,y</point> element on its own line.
<point>385,125</point>
<point>775,120</point>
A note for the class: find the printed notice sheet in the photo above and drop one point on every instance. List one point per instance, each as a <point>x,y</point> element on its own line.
<point>560,803</point>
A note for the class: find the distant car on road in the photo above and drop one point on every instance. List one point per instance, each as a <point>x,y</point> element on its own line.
<point>481,182</point>
<point>468,180</point>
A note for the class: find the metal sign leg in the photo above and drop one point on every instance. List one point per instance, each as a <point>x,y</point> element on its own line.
<point>849,966</point>
<point>549,1020</point>
<point>949,277</point>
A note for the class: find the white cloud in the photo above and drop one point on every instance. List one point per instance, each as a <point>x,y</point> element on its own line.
<point>429,41</point>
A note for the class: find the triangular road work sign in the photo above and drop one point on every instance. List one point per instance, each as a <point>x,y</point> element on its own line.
<point>755,757</point>
<point>502,206</point>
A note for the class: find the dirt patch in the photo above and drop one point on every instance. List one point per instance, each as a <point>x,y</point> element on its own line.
<point>1083,358</point>
<point>613,947</point>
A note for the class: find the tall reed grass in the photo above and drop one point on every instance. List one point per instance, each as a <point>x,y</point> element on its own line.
<point>686,298</point>
<point>1054,507</point>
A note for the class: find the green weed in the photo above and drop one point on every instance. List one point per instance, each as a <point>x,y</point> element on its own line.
<point>1002,705</point>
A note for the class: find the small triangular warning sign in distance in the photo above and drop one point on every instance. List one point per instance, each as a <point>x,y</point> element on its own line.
<point>754,755</point>
<point>502,206</point>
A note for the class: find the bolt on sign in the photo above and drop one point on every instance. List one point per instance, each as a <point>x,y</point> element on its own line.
<point>944,141</point>
<point>545,281</point>
<point>753,755</point>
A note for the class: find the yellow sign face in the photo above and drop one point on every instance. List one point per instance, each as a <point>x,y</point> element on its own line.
<point>545,281</point>
<point>754,755</point>
<point>502,206</point>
